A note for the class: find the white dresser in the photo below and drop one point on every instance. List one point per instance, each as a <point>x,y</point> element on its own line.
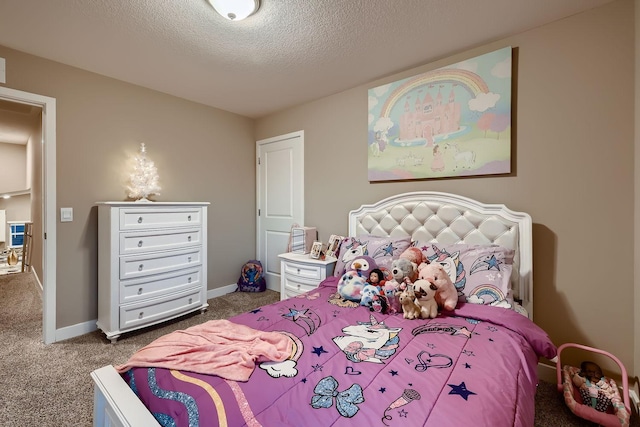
<point>299,273</point>
<point>152,263</point>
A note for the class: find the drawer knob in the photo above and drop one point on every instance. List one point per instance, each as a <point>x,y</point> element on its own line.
<point>140,244</point>
<point>139,220</point>
<point>190,300</point>
<point>189,218</point>
<point>189,280</point>
<point>140,291</point>
<point>189,259</point>
<point>189,239</point>
<point>298,271</point>
<point>140,267</point>
<point>141,315</point>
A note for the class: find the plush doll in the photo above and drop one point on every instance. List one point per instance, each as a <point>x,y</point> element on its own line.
<point>391,289</point>
<point>446,295</point>
<point>379,304</point>
<point>406,298</point>
<point>593,386</point>
<point>425,297</point>
<point>363,265</point>
<point>350,286</point>
<point>414,255</point>
<point>368,292</point>
<point>401,268</point>
<point>376,278</point>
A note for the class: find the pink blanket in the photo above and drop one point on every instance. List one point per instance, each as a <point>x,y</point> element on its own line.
<point>217,347</point>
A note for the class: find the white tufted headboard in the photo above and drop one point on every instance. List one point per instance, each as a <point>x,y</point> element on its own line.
<point>450,219</point>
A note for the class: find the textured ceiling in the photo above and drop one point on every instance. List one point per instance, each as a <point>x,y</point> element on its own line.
<point>289,52</point>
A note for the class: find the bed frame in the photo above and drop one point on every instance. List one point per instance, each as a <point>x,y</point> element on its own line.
<point>428,216</point>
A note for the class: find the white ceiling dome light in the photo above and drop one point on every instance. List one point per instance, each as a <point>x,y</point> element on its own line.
<point>235,10</point>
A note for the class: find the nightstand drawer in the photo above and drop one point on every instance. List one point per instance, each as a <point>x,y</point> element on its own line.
<point>141,218</point>
<point>145,241</point>
<point>157,286</point>
<point>295,287</point>
<point>306,271</point>
<point>159,309</point>
<point>156,263</point>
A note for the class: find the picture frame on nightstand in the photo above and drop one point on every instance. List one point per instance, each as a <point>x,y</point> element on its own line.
<point>316,250</point>
<point>333,246</point>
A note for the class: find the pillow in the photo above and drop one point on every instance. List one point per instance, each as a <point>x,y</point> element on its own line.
<point>382,249</point>
<point>480,273</point>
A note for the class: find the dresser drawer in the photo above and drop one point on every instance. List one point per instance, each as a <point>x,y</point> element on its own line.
<point>303,271</point>
<point>156,263</point>
<point>133,315</point>
<point>156,240</point>
<point>156,286</point>
<point>145,218</point>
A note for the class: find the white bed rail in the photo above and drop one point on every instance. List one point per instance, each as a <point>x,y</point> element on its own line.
<point>115,404</point>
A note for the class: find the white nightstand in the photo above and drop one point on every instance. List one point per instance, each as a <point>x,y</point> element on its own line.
<point>299,273</point>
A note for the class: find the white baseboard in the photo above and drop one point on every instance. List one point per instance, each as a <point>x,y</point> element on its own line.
<point>75,330</point>
<point>218,292</point>
<point>90,326</point>
<point>547,373</point>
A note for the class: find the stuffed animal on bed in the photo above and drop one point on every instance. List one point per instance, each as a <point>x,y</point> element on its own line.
<point>446,294</point>
<point>426,298</point>
<point>363,265</point>
<point>368,292</point>
<point>391,290</point>
<point>401,268</point>
<point>414,255</point>
<point>351,285</point>
<point>406,298</point>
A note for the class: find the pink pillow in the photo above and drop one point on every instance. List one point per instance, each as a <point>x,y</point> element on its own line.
<point>481,274</point>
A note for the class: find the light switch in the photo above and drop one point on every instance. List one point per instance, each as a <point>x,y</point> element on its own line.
<point>66,214</point>
<point>3,71</point>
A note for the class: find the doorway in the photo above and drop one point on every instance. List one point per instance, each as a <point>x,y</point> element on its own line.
<point>48,205</point>
<point>280,199</point>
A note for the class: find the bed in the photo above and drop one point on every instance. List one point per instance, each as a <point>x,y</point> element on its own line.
<point>339,363</point>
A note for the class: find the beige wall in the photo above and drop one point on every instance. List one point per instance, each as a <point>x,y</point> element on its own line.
<point>13,167</point>
<point>573,172</point>
<point>202,154</point>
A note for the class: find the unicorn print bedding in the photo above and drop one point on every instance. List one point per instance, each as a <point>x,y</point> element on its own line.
<point>348,365</point>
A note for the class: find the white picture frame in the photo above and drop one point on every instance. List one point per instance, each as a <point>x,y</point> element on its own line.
<point>316,250</point>
<point>333,246</point>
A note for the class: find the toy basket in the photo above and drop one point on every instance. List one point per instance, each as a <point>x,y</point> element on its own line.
<point>617,415</point>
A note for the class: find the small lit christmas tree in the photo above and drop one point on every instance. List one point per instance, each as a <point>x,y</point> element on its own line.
<point>144,179</point>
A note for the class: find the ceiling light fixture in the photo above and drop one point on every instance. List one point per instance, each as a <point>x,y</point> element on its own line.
<point>235,10</point>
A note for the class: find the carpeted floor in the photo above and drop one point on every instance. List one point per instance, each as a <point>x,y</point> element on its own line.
<point>49,385</point>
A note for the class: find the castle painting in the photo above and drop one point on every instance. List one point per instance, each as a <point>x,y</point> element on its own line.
<point>449,122</point>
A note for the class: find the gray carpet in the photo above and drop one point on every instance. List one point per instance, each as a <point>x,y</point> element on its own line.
<point>49,385</point>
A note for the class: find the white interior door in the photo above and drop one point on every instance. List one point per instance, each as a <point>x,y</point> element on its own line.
<point>280,198</point>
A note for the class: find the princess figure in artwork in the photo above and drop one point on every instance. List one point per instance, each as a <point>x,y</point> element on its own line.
<point>437,164</point>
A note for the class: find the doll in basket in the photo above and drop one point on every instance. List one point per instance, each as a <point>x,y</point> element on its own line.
<point>594,388</point>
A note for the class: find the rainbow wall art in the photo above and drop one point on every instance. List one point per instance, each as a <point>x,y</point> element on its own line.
<point>450,122</point>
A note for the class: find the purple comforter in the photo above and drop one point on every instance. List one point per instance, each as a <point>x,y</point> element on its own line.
<point>350,366</point>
